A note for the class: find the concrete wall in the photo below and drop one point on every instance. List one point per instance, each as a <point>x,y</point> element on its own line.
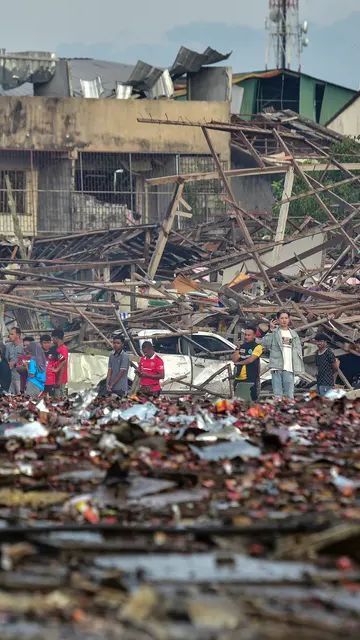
<point>287,251</point>
<point>109,125</point>
<point>210,83</point>
<point>348,122</point>
<point>253,193</point>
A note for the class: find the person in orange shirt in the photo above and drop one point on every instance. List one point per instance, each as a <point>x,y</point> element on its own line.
<point>151,371</point>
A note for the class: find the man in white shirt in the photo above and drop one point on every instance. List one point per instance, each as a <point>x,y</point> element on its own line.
<point>286,359</point>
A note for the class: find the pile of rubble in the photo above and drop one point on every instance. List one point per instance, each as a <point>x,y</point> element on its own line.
<point>166,519</point>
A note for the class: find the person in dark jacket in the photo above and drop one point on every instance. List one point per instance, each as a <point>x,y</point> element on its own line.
<point>327,365</point>
<point>247,363</point>
<point>5,372</point>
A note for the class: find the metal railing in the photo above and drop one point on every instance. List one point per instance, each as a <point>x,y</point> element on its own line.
<point>56,192</point>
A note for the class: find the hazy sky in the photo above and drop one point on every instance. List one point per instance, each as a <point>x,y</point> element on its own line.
<point>154,29</point>
<point>43,23</point>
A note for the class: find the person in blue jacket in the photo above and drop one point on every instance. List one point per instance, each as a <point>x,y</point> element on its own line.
<point>36,370</point>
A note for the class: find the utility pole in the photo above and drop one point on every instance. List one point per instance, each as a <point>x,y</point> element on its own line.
<point>283,33</point>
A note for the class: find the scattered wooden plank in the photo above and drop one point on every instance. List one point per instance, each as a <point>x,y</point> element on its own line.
<point>165,230</point>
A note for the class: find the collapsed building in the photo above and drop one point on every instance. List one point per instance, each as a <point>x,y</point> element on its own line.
<point>74,153</point>
<point>126,212</point>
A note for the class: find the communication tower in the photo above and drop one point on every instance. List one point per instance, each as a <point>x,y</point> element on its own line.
<point>286,35</point>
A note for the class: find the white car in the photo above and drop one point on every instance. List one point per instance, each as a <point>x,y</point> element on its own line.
<point>194,359</point>
<point>191,359</point>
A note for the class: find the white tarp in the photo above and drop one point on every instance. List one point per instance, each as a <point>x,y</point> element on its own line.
<point>87,371</point>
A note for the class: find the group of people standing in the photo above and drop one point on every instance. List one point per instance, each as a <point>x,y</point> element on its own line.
<point>281,341</point>
<point>285,358</point>
<point>150,371</point>
<point>31,368</point>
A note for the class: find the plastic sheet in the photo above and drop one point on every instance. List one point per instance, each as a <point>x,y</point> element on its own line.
<point>29,431</point>
<point>228,450</point>
<point>142,412</point>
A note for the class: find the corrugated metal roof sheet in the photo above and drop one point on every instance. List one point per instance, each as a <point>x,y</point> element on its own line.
<point>26,89</point>
<point>26,66</point>
<point>88,69</point>
<point>188,61</point>
<point>142,76</point>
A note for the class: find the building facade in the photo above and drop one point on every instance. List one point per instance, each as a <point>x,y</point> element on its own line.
<point>71,164</point>
<point>347,120</point>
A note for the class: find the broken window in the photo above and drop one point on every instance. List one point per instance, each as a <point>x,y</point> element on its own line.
<point>106,178</point>
<point>205,197</point>
<point>211,343</point>
<point>166,345</point>
<point>17,180</point>
<point>279,92</point>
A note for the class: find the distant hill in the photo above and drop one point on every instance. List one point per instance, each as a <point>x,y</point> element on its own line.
<point>333,53</point>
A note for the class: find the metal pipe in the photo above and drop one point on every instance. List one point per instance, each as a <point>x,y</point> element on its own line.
<point>283,33</point>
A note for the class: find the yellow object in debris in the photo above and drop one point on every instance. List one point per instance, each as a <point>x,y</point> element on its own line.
<point>185,285</point>
<point>239,278</point>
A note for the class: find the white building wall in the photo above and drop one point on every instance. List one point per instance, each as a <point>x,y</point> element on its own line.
<point>348,121</point>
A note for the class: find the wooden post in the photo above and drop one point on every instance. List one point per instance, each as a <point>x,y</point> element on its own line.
<point>165,230</point>
<point>238,213</point>
<point>283,214</point>
<point>16,222</point>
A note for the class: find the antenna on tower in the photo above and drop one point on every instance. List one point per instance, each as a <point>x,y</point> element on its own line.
<point>286,35</point>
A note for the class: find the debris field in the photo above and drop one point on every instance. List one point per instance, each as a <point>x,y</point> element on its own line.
<point>178,519</point>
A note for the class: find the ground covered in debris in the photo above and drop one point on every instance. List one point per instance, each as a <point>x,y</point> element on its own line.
<point>179,518</point>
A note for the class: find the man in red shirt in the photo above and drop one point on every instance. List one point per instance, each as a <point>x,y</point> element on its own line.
<point>61,371</point>
<point>151,371</point>
<point>52,362</point>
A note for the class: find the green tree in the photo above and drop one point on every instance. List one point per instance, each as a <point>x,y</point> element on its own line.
<point>344,151</point>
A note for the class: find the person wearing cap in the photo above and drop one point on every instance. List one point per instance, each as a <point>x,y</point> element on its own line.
<point>326,363</point>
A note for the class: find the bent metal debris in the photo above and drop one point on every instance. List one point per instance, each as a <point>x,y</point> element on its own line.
<point>212,276</point>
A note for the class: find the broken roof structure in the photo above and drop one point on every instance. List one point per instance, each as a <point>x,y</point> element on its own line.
<point>256,91</point>
<point>237,268</point>
<point>44,74</point>
<point>34,67</point>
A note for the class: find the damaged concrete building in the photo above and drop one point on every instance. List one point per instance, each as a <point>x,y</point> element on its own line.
<point>73,155</point>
